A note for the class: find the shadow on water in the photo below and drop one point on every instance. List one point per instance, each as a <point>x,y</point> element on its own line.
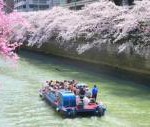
<point>56,62</point>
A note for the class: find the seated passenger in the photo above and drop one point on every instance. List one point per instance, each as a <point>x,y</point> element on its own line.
<point>74,90</point>
<point>82,92</point>
<point>86,100</point>
<point>88,93</point>
<point>46,84</point>
<point>50,83</point>
<point>77,91</point>
<point>77,100</point>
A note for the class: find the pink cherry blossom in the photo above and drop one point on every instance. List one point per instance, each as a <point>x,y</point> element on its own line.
<point>7,22</point>
<point>101,22</point>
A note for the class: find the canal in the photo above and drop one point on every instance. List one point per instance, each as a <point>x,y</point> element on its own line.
<point>128,103</point>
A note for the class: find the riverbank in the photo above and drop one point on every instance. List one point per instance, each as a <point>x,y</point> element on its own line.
<point>120,39</point>
<point>133,74</point>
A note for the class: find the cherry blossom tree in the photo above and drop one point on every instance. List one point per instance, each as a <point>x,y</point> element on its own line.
<point>7,22</point>
<point>98,23</point>
<point>98,20</point>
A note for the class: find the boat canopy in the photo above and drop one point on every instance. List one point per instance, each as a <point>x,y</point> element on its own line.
<point>67,99</point>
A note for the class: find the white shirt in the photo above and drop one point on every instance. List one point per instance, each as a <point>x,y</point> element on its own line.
<point>86,100</point>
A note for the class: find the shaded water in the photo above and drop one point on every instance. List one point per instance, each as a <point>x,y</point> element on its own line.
<point>20,106</point>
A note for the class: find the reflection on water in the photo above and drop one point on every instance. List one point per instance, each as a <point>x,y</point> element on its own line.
<point>127,102</point>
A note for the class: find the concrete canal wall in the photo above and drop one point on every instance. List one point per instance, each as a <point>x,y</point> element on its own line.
<point>101,55</point>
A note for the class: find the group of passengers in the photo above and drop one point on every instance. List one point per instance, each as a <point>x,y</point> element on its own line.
<point>82,92</point>
<point>57,85</point>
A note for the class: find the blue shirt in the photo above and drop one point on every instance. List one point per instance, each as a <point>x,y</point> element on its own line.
<point>95,90</point>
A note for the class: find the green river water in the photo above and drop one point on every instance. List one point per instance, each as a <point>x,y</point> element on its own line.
<point>128,103</point>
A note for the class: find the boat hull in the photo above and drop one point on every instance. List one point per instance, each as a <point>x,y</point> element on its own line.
<point>71,112</point>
